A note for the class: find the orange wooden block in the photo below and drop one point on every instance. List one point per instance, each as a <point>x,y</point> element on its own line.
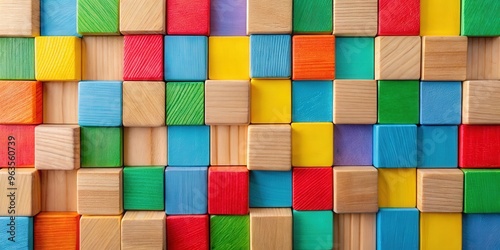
<point>20,102</point>
<point>313,57</point>
<point>56,230</point>
<point>18,143</point>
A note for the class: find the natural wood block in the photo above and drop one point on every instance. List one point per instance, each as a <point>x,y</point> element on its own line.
<point>269,17</point>
<point>21,102</point>
<point>355,189</point>
<point>228,145</point>
<point>145,146</point>
<point>269,147</point>
<point>227,190</point>
<point>25,191</point>
<point>178,228</point>
<point>355,231</point>
<point>397,57</point>
<point>143,230</point>
<point>227,102</point>
<point>355,18</point>
<point>19,149</point>
<point>354,102</point>
<point>441,231</point>
<point>100,191</point>
<point>440,18</point>
<point>102,57</point>
<point>56,230</point>
<point>60,102</point>
<point>151,14</point>
<point>58,190</point>
<point>398,17</point>
<point>57,147</point>
<point>483,58</point>
<point>96,17</point>
<point>444,58</point>
<point>312,188</point>
<point>313,57</point>
<point>185,103</point>
<point>270,228</point>
<point>143,58</point>
<point>270,101</point>
<point>229,57</point>
<point>101,147</point>
<point>440,190</point>
<point>17,61</point>
<point>20,18</point>
<point>57,58</point>
<point>481,102</point>
<point>143,104</point>
<point>188,17</point>
<point>100,232</point>
<point>479,146</point>
<point>397,187</point>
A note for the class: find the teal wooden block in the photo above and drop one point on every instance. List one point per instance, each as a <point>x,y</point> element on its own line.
<point>437,146</point>
<point>188,146</point>
<point>143,188</point>
<point>229,232</point>
<point>395,146</point>
<point>17,58</point>
<point>481,190</point>
<point>480,18</point>
<point>312,17</point>
<point>270,56</point>
<point>355,58</point>
<point>101,146</point>
<point>58,18</point>
<point>100,103</point>
<point>186,58</point>
<point>312,101</point>
<point>398,228</point>
<point>312,230</point>
<point>16,233</point>
<point>98,17</point>
<point>185,103</point>
<point>270,188</point>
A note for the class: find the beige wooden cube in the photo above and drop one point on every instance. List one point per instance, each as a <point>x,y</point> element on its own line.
<point>444,58</point>
<point>143,230</point>
<point>355,189</point>
<point>440,190</point>
<point>397,57</point>
<point>355,102</point>
<point>57,147</point>
<point>100,191</point>
<point>143,104</point>
<point>227,102</point>
<point>270,228</point>
<point>21,192</point>
<point>269,147</point>
<point>100,232</point>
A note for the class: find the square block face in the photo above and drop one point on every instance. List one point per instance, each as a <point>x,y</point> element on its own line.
<point>395,146</point>
<point>20,18</point>
<point>188,146</point>
<point>270,101</point>
<point>353,145</point>
<point>27,194</point>
<point>143,104</point>
<point>312,17</point>
<point>226,21</point>
<point>357,227</point>
<point>480,231</point>
<point>480,194</point>
<point>398,102</point>
<point>58,18</point>
<point>188,18</point>
<point>57,147</point>
<point>313,57</point>
<point>270,188</point>
<point>264,17</point>
<point>59,190</point>
<point>198,236</point>
<point>223,139</point>
<point>354,102</point>
<point>480,102</point>
<point>269,147</point>
<point>186,58</point>
<point>145,146</point>
<point>399,18</point>
<point>437,146</point>
<point>354,58</point>
<point>143,58</point>
<point>100,191</point>
<point>23,232</point>
<point>439,18</point>
<point>17,61</point>
<point>479,146</point>
<point>54,230</point>
<point>101,146</point>
<point>483,56</point>
<point>106,229</point>
<point>354,189</point>
<point>57,58</point>
<point>397,57</point>
<point>60,102</point>
<point>21,102</point>
<point>271,228</point>
<point>20,143</point>
<point>102,58</point>
<point>312,101</point>
<point>150,12</point>
<point>186,190</point>
<point>312,230</point>
<point>355,18</point>
<point>312,195</point>
<point>444,58</point>
<point>397,187</point>
<point>227,190</point>
<point>440,103</point>
<point>473,14</point>
<point>270,56</point>
<point>227,102</point>
<point>228,58</point>
<point>229,231</point>
<point>100,103</point>
<point>143,188</point>
<point>97,17</point>
<point>312,144</point>
<point>398,228</point>
<point>141,228</point>
<point>440,190</point>
<point>185,103</point>
<point>441,230</point>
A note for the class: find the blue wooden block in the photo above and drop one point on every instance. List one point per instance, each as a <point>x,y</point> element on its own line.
<point>312,101</point>
<point>270,56</point>
<point>312,230</point>
<point>437,146</point>
<point>186,58</point>
<point>270,188</point>
<point>397,228</point>
<point>186,190</point>
<point>188,146</point>
<point>395,146</point>
<point>16,233</point>
<point>480,231</point>
<point>100,103</point>
<point>58,18</point>
<point>440,103</point>
<point>354,58</point>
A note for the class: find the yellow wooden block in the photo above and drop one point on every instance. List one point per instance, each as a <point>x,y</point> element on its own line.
<point>312,144</point>
<point>439,17</point>
<point>440,231</point>
<point>228,58</point>
<point>57,58</point>
<point>397,187</point>
<point>271,101</point>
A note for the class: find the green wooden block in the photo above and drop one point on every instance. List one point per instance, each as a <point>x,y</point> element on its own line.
<point>312,230</point>
<point>482,191</point>
<point>185,103</point>
<point>17,58</point>
<point>101,146</point>
<point>229,232</point>
<point>480,18</point>
<point>98,17</point>
<point>398,102</point>
<point>312,17</point>
<point>143,188</point>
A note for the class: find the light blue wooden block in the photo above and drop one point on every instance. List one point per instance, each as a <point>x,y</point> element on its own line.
<point>354,58</point>
<point>188,146</point>
<point>270,56</point>
<point>100,103</point>
<point>58,18</point>
<point>437,146</point>
<point>480,231</point>
<point>18,236</point>
<point>312,101</point>
<point>440,103</point>
<point>186,190</point>
<point>395,146</point>
<point>270,188</point>
<point>186,58</point>
<point>397,228</point>
<point>312,230</point>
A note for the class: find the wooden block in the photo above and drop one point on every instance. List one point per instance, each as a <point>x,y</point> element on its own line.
<point>101,146</point>
<point>60,102</point>
<point>188,146</point>
<point>98,17</point>
<point>57,147</point>
<point>57,58</point>
<point>229,231</point>
<point>395,146</point>
<point>58,18</point>
<point>483,58</point>
<point>228,57</point>
<point>21,102</point>
<point>444,58</point>
<point>475,18</point>
<point>227,102</point>
<point>354,189</point>
<point>185,103</point>
<point>150,12</point>
<point>312,144</point>
<point>437,146</point>
<point>100,191</point>
<point>398,228</point>
<point>17,61</point>
<point>270,228</point>
<point>270,101</point>
<point>480,195</point>
<point>397,57</point>
<point>399,18</point>
<point>480,102</point>
<point>228,18</point>
<point>398,102</point>
<point>355,58</point>
<point>441,231</point>
<point>357,18</point>
<point>228,145</point>
<point>186,190</point>
<point>355,102</point>
<point>353,145</point>
<point>397,187</point>
<point>102,58</point>
<point>143,58</point>
<point>478,146</point>
<point>53,230</point>
<point>270,56</point>
<point>143,104</point>
<point>312,17</point>
<point>16,232</point>
<point>313,57</point>
<point>20,18</point>
<point>100,103</point>
<point>100,232</point>
<point>22,191</point>
<point>264,17</point>
<point>186,58</point>
<point>143,229</point>
<point>143,188</point>
<point>480,230</point>
<point>188,232</point>
<point>440,103</point>
<point>269,147</point>
<point>312,229</point>
<point>312,101</point>
<point>312,188</point>
<point>188,18</point>
<point>440,18</point>
<point>270,188</point>
<point>440,190</point>
<point>227,190</point>
<point>58,190</point>
<point>19,146</point>
<point>355,231</point>
<point>145,146</point>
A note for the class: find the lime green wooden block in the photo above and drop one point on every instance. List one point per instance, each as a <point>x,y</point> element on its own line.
<point>480,18</point>
<point>312,17</point>
<point>143,188</point>
<point>185,103</point>
<point>101,146</point>
<point>17,58</point>
<point>98,17</point>
<point>229,232</point>
<point>398,102</point>
<point>482,191</point>
<point>312,230</point>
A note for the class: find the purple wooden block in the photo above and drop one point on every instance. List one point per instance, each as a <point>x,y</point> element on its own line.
<point>228,17</point>
<point>353,145</point>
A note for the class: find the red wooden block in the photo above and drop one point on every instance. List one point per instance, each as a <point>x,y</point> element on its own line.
<point>143,58</point>
<point>312,188</point>
<point>399,17</point>
<point>479,146</point>
<point>188,17</point>
<point>56,230</point>
<point>228,190</point>
<point>17,141</point>
<point>187,232</point>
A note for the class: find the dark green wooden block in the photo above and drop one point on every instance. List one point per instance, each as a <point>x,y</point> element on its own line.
<point>143,188</point>
<point>185,103</point>
<point>482,191</point>
<point>98,17</point>
<point>398,102</point>
<point>312,230</point>
<point>17,58</point>
<point>101,146</point>
<point>229,232</point>
<point>480,18</point>
<point>311,17</point>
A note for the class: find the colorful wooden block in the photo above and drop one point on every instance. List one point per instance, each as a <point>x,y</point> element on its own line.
<point>19,149</point>
<point>96,17</point>
<point>17,60</point>
<point>440,103</point>
<point>197,226</point>
<point>312,17</point>
<point>143,58</point>
<point>100,103</point>
<point>186,190</point>
<point>227,190</point>
<point>397,187</point>
<point>398,102</point>
<point>397,57</point>
<point>60,102</point>
<point>143,188</point>
<point>444,58</point>
<point>483,54</point>
<point>57,147</point>
<point>271,228</point>
<point>228,145</point>
<point>440,190</point>
<point>312,195</point>
<point>476,18</point>
<point>150,12</point>
<point>229,232</point>
<point>101,146</point>
<point>312,144</point>
<point>395,146</point>
<point>227,102</point>
<point>188,146</point>
<point>480,195</point>
<point>21,18</point>
<point>188,18</point>
<point>440,231</point>
<point>54,230</point>
<point>145,146</point>
<point>437,146</point>
<point>353,145</point>
<point>143,104</point>
<point>228,18</point>
<point>440,18</point>
<point>102,58</point>
<point>354,189</point>
<point>354,58</point>
<point>58,18</point>
<point>480,231</point>
<point>21,102</point>
<point>312,229</point>
<point>143,229</point>
<point>185,103</point>
<point>399,18</point>
<point>100,191</point>
<point>16,232</point>
<point>186,58</point>
<point>269,147</point>
<point>311,101</point>
<point>313,57</point>
<point>270,56</point>
<point>480,102</point>
<point>355,18</point>
<point>355,231</point>
<point>57,58</point>
<point>228,58</point>
<point>58,190</point>
<point>22,191</point>
<point>100,232</point>
<point>270,101</point>
<point>398,228</point>
<point>354,102</point>
<point>479,146</point>
<point>270,188</point>
<point>264,17</point>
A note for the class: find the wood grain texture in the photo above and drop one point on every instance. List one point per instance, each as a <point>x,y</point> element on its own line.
<point>313,57</point>
<point>186,190</point>
<point>479,146</point>
<point>27,182</point>
<point>20,18</point>
<point>476,19</point>
<point>101,146</point>
<point>398,102</point>
<point>311,101</point>
<point>56,230</point>
<point>355,231</point>
<point>483,58</point>
<point>440,103</point>
<point>17,60</point>
<point>481,102</point>
<point>395,146</point>
<point>440,190</point>
<point>355,189</point>
<point>186,58</point>
<point>24,233</point>
<point>100,103</point>
<point>58,189</point>
<point>185,103</point>
<point>21,102</point>
<point>227,102</point>
<point>271,228</point>
<point>476,227</point>
<point>143,104</point>
<point>270,56</point>
<point>312,188</point>
<point>58,18</point>
<point>269,147</point>
<point>188,17</point>
<point>480,191</point>
<point>57,147</point>
<point>143,188</point>
<point>399,18</point>
<point>312,17</point>
<point>354,102</point>
<point>444,58</point>
<point>143,230</point>
<point>355,18</point>
<point>188,232</point>
<point>100,232</point>
<point>232,231</point>
<point>264,17</point>
<point>398,228</point>
<point>151,14</point>
<point>95,17</point>
<point>57,58</point>
<point>143,58</point>
<point>145,146</point>
<point>228,190</point>
<point>24,145</point>
<point>228,145</point>
<point>102,58</point>
<point>441,231</point>
<point>100,191</point>
<point>60,102</point>
<point>397,187</point>
<point>397,57</point>
<point>270,189</point>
